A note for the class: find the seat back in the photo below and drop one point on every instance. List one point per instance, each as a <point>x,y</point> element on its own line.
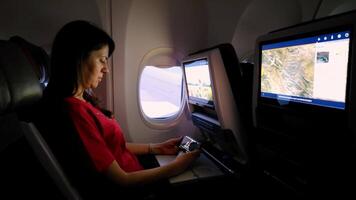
<point>48,160</point>
<point>37,57</point>
<point>222,120</point>
<point>58,130</point>
<point>23,151</point>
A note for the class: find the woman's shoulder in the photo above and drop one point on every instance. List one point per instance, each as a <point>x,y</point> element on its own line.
<point>78,105</point>
<point>75,103</point>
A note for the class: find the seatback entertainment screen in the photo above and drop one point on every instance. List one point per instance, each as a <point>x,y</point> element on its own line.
<point>198,81</point>
<point>309,70</point>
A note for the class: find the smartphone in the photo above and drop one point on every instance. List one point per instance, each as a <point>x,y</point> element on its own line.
<point>188,144</point>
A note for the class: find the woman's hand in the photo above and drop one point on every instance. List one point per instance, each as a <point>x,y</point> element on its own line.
<point>184,160</point>
<point>169,147</point>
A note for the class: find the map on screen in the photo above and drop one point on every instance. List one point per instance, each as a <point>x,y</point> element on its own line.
<point>310,70</point>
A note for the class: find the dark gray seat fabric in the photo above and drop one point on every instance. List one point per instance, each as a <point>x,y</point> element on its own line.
<point>28,167</point>
<point>59,132</point>
<point>18,83</point>
<point>48,160</point>
<point>37,57</point>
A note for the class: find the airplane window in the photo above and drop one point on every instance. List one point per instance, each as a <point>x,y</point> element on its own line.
<point>160,91</point>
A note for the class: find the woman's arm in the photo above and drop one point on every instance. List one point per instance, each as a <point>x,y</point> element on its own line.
<point>139,149</point>
<point>141,177</point>
<point>169,147</point>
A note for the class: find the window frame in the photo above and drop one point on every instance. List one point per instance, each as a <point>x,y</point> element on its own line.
<point>162,58</point>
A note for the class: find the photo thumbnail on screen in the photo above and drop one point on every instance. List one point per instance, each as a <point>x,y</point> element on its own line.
<point>198,80</point>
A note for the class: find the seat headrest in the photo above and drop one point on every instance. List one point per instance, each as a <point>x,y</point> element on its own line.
<point>19,85</point>
<point>37,56</point>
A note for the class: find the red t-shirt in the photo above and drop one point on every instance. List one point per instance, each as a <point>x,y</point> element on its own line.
<point>101,136</point>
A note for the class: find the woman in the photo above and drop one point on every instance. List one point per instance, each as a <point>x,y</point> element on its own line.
<point>79,61</point>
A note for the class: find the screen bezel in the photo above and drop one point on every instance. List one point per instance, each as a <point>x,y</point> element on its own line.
<point>298,106</point>
<point>195,100</point>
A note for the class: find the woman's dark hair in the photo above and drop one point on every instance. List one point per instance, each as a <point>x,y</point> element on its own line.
<point>71,46</point>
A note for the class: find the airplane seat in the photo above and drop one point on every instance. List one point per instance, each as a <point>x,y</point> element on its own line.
<point>59,132</point>
<point>240,78</point>
<point>246,90</point>
<point>247,82</point>
<point>37,56</point>
<point>24,154</point>
<point>240,75</point>
<point>39,61</point>
<point>246,93</point>
<point>235,71</point>
<point>227,115</point>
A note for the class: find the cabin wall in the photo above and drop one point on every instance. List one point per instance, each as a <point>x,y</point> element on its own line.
<point>257,19</point>
<point>39,20</point>
<point>140,27</point>
<point>184,26</point>
<point>331,7</point>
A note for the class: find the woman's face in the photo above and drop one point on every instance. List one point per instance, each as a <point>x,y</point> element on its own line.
<point>94,67</point>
